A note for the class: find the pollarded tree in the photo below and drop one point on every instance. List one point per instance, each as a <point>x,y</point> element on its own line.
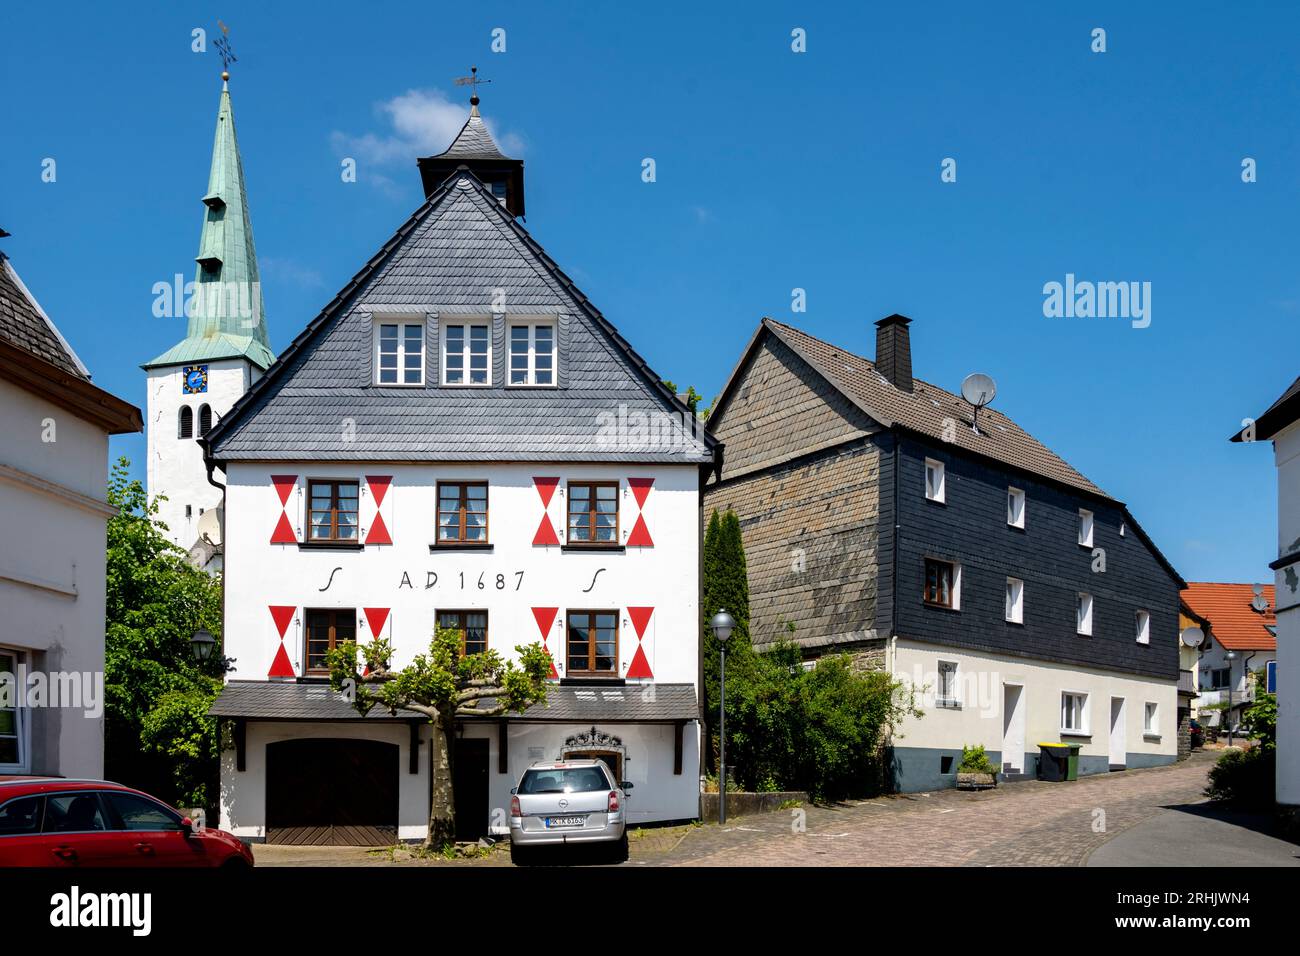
<point>443,685</point>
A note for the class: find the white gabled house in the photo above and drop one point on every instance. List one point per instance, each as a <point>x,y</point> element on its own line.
<point>459,437</point>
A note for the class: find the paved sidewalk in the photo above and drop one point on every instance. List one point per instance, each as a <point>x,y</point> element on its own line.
<point>1199,835</point>
<point>1024,824</point>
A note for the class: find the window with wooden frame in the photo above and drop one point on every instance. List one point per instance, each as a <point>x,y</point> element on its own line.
<point>472,627</point>
<point>462,512</point>
<point>332,510</point>
<point>326,630</point>
<point>941,581</point>
<point>593,513</point>
<point>592,643</point>
<point>467,354</point>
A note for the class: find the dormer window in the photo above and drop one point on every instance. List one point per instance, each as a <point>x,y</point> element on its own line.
<point>532,353</point>
<point>498,192</point>
<point>399,353</point>
<point>467,353</point>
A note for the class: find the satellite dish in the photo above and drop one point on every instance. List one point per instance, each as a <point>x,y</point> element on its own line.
<point>1259,602</point>
<point>1192,636</point>
<point>978,389</point>
<point>210,525</point>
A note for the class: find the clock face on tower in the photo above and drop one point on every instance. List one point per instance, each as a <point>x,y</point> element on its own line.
<point>195,379</point>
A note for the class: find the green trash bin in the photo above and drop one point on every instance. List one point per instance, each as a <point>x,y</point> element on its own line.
<point>1072,762</point>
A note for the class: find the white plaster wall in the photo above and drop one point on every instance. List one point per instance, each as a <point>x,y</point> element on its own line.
<point>259,574</point>
<point>979,721</point>
<point>1287,454</point>
<point>52,560</point>
<point>174,465</point>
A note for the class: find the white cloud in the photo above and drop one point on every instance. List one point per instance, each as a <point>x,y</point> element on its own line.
<point>422,123</point>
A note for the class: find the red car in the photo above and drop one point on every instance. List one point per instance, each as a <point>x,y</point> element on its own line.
<point>47,821</point>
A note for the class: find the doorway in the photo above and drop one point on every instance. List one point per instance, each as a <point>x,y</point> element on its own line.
<point>1013,729</point>
<point>1118,749</point>
<point>470,781</point>
<point>614,761</point>
<point>331,792</point>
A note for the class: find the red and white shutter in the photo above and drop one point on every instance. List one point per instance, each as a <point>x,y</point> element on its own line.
<point>377,532</point>
<point>640,536</point>
<point>285,532</point>
<point>545,618</point>
<point>282,616</point>
<point>545,529</point>
<point>640,666</point>
<point>376,620</point>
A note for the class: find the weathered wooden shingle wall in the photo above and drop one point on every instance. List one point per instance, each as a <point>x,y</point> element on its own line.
<point>803,479</point>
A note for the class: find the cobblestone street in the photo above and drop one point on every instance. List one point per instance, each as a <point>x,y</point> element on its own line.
<point>1023,824</point>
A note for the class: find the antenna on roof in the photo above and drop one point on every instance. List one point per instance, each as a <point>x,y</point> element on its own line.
<point>978,389</point>
<point>1259,602</point>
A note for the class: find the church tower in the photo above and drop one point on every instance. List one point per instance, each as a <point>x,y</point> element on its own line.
<point>225,349</point>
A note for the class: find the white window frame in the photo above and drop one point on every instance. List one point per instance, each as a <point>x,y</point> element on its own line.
<point>532,325</point>
<point>1084,706</point>
<point>1143,621</point>
<point>953,698</point>
<point>1015,601</point>
<point>1015,495</point>
<point>1151,719</point>
<point>402,324</point>
<point>1086,525</point>
<point>935,491</point>
<point>1083,614</point>
<point>467,323</point>
<point>22,727</point>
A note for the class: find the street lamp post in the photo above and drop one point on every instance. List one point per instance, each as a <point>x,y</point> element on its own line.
<point>1230,656</point>
<point>722,625</point>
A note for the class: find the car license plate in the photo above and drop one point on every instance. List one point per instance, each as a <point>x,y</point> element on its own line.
<point>574,821</point>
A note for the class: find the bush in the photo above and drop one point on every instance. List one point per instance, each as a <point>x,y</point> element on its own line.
<point>975,760</point>
<point>1259,720</point>
<point>819,730</point>
<point>1244,777</point>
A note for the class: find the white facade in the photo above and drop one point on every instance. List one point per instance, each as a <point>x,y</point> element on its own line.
<point>397,589</point>
<point>1286,445</point>
<point>52,579</point>
<point>1010,705</point>
<point>1239,688</point>
<point>174,467</point>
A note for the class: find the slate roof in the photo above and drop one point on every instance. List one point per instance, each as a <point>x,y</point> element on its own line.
<point>267,700</point>
<point>1277,416</point>
<point>473,141</point>
<point>925,408</point>
<point>1233,622</point>
<point>459,253</point>
<point>23,323</point>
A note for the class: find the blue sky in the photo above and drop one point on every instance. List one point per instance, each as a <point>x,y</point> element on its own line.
<point>775,171</point>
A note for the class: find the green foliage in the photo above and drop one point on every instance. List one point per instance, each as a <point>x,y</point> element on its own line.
<point>975,760</point>
<point>158,736</point>
<point>1260,720</point>
<point>817,730</point>
<point>726,585</point>
<point>1244,777</point>
<point>692,399</point>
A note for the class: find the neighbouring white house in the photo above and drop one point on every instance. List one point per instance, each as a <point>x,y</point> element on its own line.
<point>1280,424</point>
<point>1240,641</point>
<point>54,428</point>
<point>460,439</point>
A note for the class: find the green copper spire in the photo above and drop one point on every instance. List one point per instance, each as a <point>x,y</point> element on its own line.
<point>225,312</point>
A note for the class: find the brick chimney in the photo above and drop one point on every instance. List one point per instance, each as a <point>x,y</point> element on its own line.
<point>894,351</point>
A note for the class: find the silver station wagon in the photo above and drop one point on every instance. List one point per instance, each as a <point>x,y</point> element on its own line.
<point>567,802</point>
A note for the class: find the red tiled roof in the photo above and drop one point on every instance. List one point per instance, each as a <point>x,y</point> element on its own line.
<point>1233,622</point>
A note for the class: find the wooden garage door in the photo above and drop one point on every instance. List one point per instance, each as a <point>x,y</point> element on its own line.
<point>331,792</point>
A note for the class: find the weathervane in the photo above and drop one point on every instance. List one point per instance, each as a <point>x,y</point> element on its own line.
<point>227,54</point>
<point>472,81</point>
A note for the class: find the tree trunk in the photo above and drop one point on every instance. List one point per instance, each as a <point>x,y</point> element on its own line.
<point>442,803</point>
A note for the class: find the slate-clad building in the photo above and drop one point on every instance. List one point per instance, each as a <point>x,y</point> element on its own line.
<point>459,437</point>
<point>1023,602</point>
